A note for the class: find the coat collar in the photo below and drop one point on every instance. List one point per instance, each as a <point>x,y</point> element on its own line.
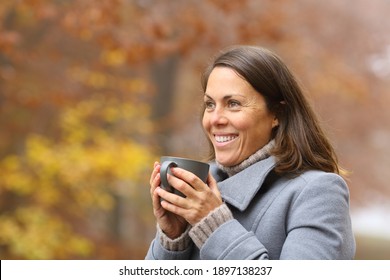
<point>239,190</point>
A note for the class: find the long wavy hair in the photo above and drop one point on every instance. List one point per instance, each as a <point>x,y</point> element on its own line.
<point>300,142</point>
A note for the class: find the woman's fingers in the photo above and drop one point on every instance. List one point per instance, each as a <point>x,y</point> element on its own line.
<point>156,170</point>
<point>191,186</point>
<point>172,198</point>
<point>190,178</point>
<point>155,182</point>
<point>200,198</point>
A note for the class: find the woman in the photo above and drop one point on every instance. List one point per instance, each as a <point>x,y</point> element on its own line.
<point>273,191</point>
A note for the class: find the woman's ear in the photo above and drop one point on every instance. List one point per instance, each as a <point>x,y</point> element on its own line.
<point>275,122</point>
<point>278,112</point>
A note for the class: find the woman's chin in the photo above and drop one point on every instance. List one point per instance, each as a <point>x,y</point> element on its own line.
<point>226,162</point>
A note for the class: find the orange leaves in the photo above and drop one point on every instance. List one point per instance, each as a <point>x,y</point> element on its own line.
<point>103,80</point>
<point>229,6</point>
<point>87,18</point>
<point>8,40</point>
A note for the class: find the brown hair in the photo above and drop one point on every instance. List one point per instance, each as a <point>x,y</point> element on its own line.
<point>300,143</point>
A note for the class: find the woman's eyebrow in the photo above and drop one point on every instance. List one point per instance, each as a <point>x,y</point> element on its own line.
<point>225,97</point>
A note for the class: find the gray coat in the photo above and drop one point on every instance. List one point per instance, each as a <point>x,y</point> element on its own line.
<point>306,217</point>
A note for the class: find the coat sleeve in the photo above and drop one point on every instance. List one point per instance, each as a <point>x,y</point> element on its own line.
<point>232,241</point>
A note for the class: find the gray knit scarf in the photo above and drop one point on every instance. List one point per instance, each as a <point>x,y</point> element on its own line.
<point>261,154</point>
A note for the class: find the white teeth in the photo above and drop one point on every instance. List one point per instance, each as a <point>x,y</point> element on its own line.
<point>221,139</point>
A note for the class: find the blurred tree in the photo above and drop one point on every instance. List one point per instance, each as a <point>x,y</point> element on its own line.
<point>75,125</point>
<point>92,91</point>
<point>61,185</point>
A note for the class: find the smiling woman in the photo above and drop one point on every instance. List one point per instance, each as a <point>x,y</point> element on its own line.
<point>274,190</point>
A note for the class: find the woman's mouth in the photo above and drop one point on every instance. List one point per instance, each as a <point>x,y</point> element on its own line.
<point>224,138</point>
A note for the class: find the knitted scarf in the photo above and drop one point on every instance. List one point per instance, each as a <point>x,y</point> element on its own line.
<point>261,154</point>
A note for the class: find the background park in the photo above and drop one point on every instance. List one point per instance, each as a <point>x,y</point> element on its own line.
<point>92,92</point>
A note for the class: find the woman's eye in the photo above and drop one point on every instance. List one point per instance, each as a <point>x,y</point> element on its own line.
<point>234,104</point>
<point>209,105</point>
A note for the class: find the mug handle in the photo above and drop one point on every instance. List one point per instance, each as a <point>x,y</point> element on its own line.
<point>164,173</point>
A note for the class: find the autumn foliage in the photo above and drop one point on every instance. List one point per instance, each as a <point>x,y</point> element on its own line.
<point>93,91</point>
<point>75,122</point>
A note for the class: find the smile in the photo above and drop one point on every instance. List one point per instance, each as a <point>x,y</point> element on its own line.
<point>224,138</point>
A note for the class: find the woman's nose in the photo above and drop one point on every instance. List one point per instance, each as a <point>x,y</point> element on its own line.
<point>218,117</point>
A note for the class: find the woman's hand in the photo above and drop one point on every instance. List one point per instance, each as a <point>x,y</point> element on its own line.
<point>201,198</point>
<point>171,224</point>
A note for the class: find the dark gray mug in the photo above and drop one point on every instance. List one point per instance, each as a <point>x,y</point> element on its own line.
<point>200,169</point>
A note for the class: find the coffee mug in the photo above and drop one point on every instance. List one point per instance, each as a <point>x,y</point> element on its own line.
<point>198,168</point>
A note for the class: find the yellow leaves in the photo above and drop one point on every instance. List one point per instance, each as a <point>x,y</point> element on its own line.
<point>96,80</point>
<point>90,153</point>
<point>40,153</point>
<point>122,160</point>
<point>13,177</point>
<point>94,158</point>
<point>94,198</point>
<point>36,234</point>
<point>34,174</point>
<point>116,57</point>
<point>87,150</point>
<point>90,78</point>
<point>84,121</point>
<point>110,114</point>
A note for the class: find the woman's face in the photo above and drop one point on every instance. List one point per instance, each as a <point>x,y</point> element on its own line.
<point>236,118</point>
